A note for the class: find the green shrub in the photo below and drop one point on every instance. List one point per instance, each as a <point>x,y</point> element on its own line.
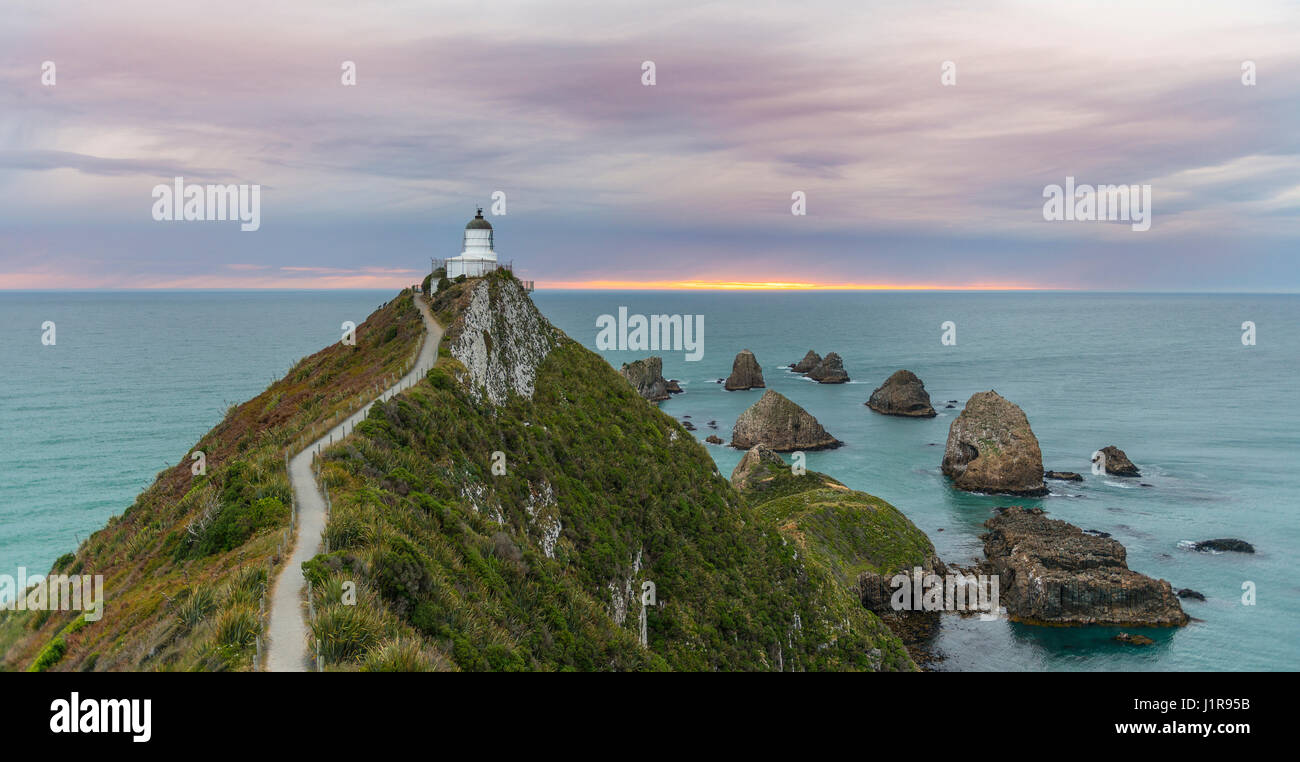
<point>238,521</point>
<point>50,655</point>
<point>400,574</point>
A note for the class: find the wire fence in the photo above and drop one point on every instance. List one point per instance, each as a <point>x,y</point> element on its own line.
<point>315,439</point>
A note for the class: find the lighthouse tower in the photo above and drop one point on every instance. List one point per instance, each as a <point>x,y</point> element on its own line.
<point>477,257</point>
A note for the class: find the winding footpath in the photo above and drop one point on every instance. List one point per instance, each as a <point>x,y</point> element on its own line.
<point>288,648</point>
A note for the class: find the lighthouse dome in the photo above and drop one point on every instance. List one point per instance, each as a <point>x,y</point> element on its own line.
<point>477,258</point>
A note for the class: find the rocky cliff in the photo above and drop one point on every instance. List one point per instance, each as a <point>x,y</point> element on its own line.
<point>494,370</point>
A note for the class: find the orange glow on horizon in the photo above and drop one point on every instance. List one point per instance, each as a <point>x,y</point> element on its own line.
<point>726,285</point>
<point>250,277</point>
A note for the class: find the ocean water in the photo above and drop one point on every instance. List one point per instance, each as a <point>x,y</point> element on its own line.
<point>132,382</point>
<point>1213,425</point>
<point>137,377</point>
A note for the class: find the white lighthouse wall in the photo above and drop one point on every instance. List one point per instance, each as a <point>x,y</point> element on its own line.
<point>470,267</point>
<point>478,243</point>
<point>477,259</point>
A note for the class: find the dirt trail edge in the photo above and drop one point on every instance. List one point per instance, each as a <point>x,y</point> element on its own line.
<point>288,649</point>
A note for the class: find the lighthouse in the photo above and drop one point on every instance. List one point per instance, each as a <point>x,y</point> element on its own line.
<point>477,257</point>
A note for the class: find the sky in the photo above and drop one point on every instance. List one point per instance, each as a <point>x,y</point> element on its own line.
<point>612,183</point>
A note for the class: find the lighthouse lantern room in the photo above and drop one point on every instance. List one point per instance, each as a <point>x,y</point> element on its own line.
<point>477,258</point>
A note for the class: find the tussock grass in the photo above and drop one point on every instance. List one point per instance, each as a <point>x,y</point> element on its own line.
<point>237,627</point>
<point>195,604</point>
<point>399,655</point>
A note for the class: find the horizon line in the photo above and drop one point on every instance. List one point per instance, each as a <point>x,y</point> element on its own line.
<point>688,286</point>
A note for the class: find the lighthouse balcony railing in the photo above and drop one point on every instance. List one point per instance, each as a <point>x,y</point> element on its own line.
<point>441,264</point>
<point>478,269</point>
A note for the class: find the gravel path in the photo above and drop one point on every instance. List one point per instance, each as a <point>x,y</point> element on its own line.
<point>288,649</point>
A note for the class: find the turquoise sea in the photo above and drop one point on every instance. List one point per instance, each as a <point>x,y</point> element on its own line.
<point>137,377</point>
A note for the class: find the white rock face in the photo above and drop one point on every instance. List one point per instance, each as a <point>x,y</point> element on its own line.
<point>502,342</point>
<point>544,515</point>
<point>622,594</point>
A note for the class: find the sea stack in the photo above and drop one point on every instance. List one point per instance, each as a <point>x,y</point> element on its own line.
<point>902,394</point>
<point>829,371</point>
<point>745,373</point>
<point>1051,572</point>
<point>646,376</point>
<point>1116,462</point>
<point>809,361</point>
<point>992,449</point>
<point>781,425</point>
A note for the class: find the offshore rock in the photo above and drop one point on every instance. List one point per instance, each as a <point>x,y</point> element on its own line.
<point>902,394</point>
<point>1117,463</point>
<point>745,373</point>
<point>646,376</point>
<point>1226,544</point>
<point>1064,476</point>
<point>1051,572</point>
<point>809,361</point>
<point>829,371</point>
<point>992,449</point>
<point>781,425</point>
